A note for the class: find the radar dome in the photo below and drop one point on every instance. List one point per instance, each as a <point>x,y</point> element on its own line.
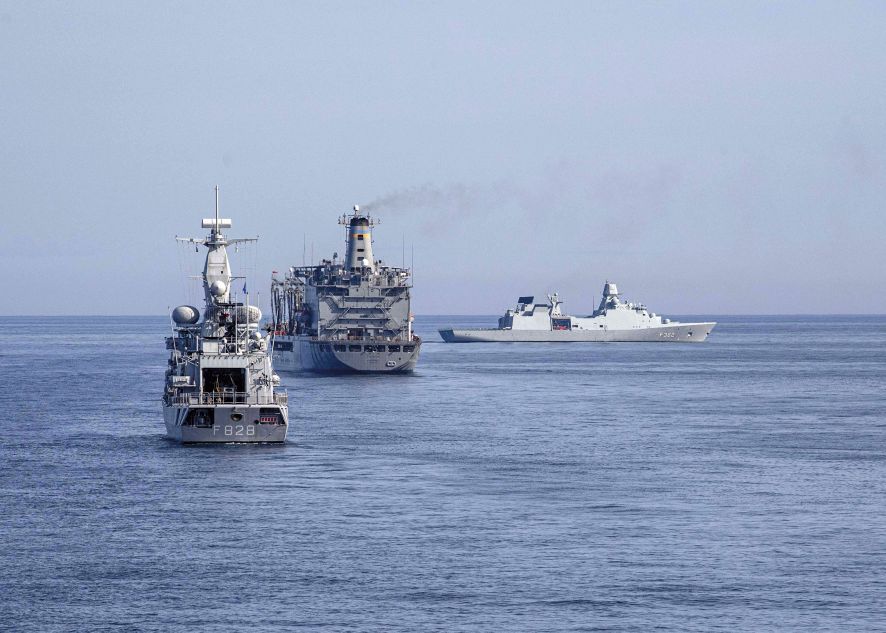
<point>218,288</point>
<point>186,315</point>
<point>247,314</point>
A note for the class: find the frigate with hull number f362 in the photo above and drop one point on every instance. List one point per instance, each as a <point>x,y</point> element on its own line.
<point>345,316</point>
<point>614,320</point>
<point>220,385</point>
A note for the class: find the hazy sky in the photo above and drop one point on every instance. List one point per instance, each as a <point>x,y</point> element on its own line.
<point>710,157</point>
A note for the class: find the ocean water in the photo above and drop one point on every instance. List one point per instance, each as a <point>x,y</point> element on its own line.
<point>733,485</point>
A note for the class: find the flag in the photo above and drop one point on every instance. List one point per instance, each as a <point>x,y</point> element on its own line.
<point>244,287</point>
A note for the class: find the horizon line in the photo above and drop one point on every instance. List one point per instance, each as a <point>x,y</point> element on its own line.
<point>683,314</point>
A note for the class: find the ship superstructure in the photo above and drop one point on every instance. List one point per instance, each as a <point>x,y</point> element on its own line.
<point>220,384</point>
<point>348,315</point>
<point>615,320</point>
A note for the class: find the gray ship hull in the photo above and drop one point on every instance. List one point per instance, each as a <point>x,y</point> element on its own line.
<point>309,354</point>
<point>225,424</point>
<point>682,333</point>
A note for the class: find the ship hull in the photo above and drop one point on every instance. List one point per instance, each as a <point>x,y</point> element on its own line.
<point>677,333</point>
<point>307,354</point>
<point>226,424</point>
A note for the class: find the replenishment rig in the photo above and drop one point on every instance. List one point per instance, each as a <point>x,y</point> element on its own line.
<point>350,315</point>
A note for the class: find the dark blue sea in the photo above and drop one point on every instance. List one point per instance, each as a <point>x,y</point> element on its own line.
<point>735,485</point>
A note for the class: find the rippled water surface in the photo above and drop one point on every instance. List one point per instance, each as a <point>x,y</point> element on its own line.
<point>733,485</point>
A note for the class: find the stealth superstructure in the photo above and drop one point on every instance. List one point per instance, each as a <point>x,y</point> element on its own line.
<point>614,320</point>
<point>220,385</point>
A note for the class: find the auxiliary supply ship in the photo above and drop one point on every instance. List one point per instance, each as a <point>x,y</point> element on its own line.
<point>614,320</point>
<point>220,385</point>
<point>350,315</point>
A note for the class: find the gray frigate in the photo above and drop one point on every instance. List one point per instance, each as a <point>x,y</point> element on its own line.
<point>220,385</point>
<point>350,315</point>
<point>615,320</point>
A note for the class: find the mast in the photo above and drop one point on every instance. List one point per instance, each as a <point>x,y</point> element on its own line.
<point>217,275</point>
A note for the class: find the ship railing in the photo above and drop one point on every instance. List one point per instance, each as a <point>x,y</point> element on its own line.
<point>384,340</point>
<point>230,397</point>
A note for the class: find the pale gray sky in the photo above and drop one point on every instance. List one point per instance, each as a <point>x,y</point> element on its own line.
<point>710,157</point>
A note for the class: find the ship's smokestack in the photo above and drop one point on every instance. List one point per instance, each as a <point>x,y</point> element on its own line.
<point>359,240</point>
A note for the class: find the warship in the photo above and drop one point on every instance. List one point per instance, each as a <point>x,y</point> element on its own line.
<point>220,385</point>
<point>614,320</point>
<point>343,316</point>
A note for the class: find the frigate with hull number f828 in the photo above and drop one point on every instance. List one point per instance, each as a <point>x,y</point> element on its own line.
<point>220,386</point>
<point>345,316</point>
<point>613,321</point>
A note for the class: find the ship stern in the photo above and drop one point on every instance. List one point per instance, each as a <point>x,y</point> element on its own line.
<point>263,424</point>
<point>388,357</point>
